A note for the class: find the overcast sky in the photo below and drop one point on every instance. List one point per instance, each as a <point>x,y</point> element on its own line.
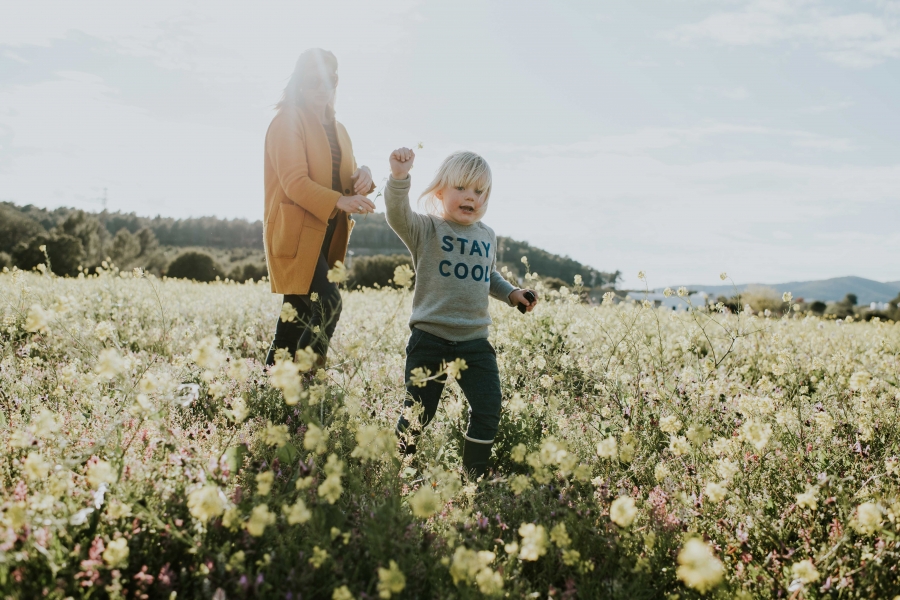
<point>680,137</point>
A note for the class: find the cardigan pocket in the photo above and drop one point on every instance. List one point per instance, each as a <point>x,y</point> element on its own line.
<point>286,230</point>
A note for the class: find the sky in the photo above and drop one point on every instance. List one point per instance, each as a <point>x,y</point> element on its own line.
<point>684,138</point>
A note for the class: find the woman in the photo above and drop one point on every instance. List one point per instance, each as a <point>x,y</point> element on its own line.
<point>312,186</point>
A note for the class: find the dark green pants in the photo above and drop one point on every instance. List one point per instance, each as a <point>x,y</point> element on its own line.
<point>480,382</point>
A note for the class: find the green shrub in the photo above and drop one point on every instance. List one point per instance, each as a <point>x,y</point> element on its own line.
<point>245,272</point>
<point>125,247</point>
<point>554,283</point>
<point>16,228</point>
<point>198,266</point>
<point>66,254</point>
<point>369,271</point>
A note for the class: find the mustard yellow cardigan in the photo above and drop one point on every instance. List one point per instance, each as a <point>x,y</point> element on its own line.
<point>299,199</point>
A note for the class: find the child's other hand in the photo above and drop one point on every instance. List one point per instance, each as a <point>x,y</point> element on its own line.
<point>401,162</point>
<point>518,297</point>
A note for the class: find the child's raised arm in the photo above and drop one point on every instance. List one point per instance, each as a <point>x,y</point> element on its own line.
<point>402,160</point>
<point>405,223</point>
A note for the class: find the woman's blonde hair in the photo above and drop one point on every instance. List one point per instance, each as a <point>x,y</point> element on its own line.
<point>459,169</point>
<point>314,65</point>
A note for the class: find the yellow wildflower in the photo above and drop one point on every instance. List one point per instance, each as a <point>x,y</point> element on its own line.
<point>867,519</point>
<point>342,593</point>
<point>38,319</point>
<point>756,433</point>
<point>860,380</point>
<point>670,424</point>
<point>297,513</point>
<point>275,435</point>
<point>206,503</point>
<point>607,448</point>
<point>698,568</point>
<point>571,557</point>
<point>727,469</point>
<point>207,355</point>
<point>390,580</point>
<point>318,557</point>
<point>314,439</point>
<point>679,445</point>
<point>284,375</point>
<point>231,519</point>
<point>622,511</point>
<point>716,492</point>
<point>559,536</point>
<point>518,453</point>
<point>698,434</point>
<point>490,583</point>
<point>519,483</point>
<point>35,467</point>
<point>374,443</point>
<point>661,471</point>
<point>116,553</point>
<point>99,473</point>
<point>338,273</point>
<point>455,368</point>
<point>110,363</point>
<point>239,410</point>
<point>264,483</point>
<point>45,424</point>
<point>534,541</point>
<point>288,313</point>
<point>260,517</point>
<point>424,502</point>
<point>626,453</point>
<point>808,499</point>
<point>805,571</point>
<point>403,276</point>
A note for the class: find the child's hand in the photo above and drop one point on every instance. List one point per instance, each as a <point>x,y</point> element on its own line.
<point>401,162</point>
<point>518,297</point>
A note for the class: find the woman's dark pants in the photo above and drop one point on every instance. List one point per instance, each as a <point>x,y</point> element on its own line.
<point>480,382</point>
<point>316,321</point>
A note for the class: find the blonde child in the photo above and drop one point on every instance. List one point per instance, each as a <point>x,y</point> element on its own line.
<point>454,256</point>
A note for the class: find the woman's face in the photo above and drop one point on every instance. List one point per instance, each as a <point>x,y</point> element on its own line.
<point>319,90</point>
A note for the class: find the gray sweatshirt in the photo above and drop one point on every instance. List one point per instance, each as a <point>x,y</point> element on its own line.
<point>455,269</point>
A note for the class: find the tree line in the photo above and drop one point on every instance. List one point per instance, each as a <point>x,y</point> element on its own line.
<point>205,247</point>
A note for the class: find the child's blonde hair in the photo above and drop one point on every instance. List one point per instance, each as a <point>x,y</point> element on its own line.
<point>459,169</point>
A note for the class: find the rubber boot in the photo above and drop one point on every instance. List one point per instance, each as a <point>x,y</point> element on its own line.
<point>475,458</point>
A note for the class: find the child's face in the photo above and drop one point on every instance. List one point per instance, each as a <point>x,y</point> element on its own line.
<point>463,205</point>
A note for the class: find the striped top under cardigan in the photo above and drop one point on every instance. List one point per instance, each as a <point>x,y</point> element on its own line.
<point>331,132</point>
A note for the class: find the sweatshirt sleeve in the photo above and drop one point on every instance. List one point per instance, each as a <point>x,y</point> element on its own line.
<point>500,287</point>
<point>287,150</point>
<point>407,224</point>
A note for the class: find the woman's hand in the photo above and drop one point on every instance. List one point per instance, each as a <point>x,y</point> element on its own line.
<point>362,179</point>
<point>518,297</point>
<point>356,205</point>
<point>401,162</point>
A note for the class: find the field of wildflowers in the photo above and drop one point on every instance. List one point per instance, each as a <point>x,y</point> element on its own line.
<point>642,453</point>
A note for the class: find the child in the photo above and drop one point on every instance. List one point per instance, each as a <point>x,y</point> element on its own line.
<point>454,256</point>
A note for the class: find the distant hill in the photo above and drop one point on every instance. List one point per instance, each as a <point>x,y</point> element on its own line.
<point>826,290</point>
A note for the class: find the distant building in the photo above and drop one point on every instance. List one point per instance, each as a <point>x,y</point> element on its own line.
<point>673,302</point>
